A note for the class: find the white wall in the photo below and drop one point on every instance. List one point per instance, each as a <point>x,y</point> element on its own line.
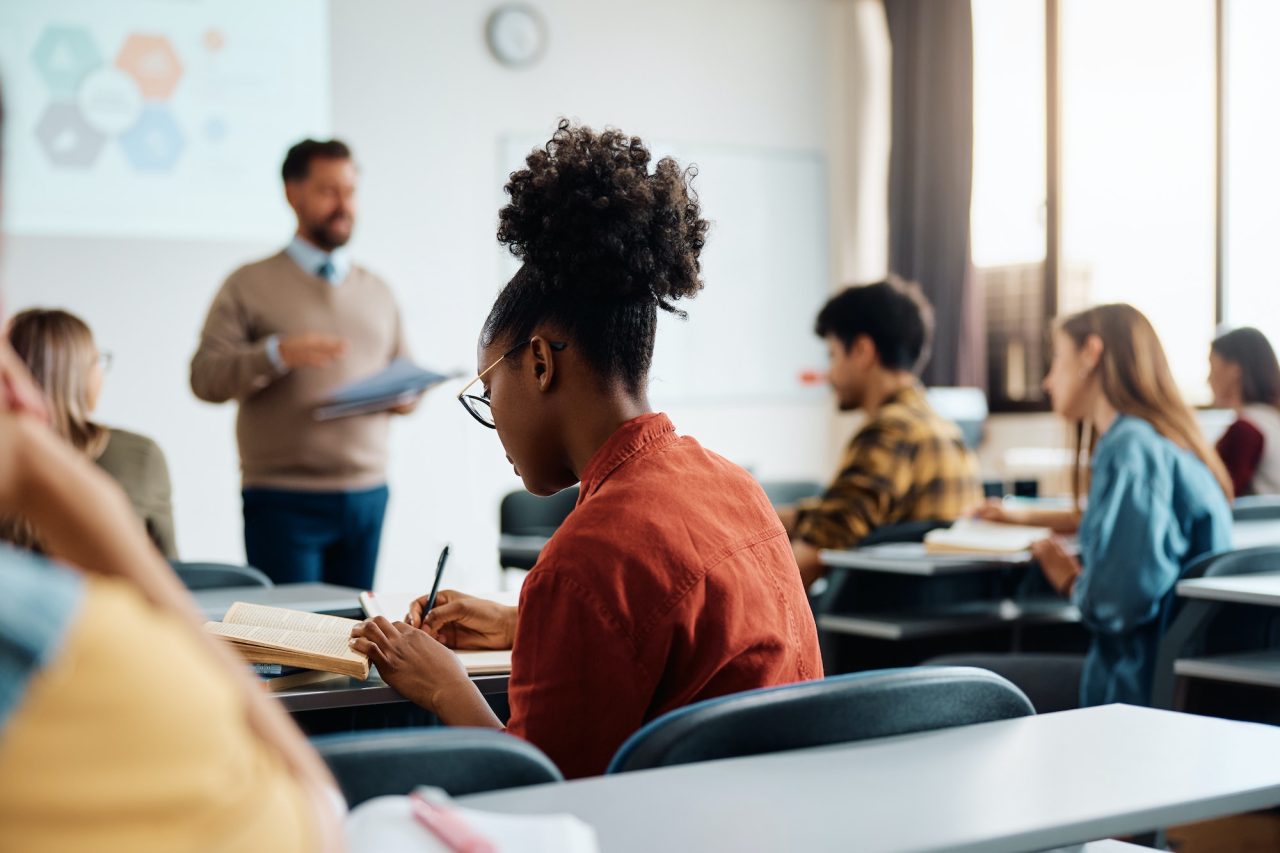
<point>425,107</point>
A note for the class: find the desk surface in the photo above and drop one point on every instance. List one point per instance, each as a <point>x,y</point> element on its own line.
<point>1250,534</point>
<point>351,692</point>
<point>312,597</point>
<point>910,558</point>
<point>1028,784</point>
<point>1239,589</point>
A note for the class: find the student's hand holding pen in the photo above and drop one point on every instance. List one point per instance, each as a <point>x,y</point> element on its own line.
<point>463,621</point>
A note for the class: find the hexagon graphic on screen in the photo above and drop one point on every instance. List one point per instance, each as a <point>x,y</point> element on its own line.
<point>155,143</point>
<point>64,55</point>
<point>152,61</point>
<point>67,138</point>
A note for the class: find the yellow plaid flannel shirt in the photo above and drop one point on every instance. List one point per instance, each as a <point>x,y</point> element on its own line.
<point>906,464</point>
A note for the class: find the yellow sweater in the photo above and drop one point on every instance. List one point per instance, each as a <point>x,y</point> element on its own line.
<point>133,740</point>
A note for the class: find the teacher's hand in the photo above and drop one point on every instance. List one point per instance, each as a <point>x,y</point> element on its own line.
<point>463,621</point>
<point>420,669</point>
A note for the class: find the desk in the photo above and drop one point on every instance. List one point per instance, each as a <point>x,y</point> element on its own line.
<point>911,558</point>
<point>1261,589</point>
<point>352,693</point>
<point>312,597</point>
<point>1259,668</point>
<point>1016,785</point>
<point>1250,534</point>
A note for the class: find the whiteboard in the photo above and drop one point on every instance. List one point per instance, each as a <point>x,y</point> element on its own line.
<point>749,334</point>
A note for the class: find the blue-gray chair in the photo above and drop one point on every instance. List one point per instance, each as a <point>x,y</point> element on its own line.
<point>218,575</point>
<point>460,760</point>
<point>834,710</point>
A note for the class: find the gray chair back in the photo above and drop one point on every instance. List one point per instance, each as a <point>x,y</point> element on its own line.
<point>524,514</point>
<point>787,492</point>
<point>834,710</point>
<point>461,761</point>
<point>218,575</point>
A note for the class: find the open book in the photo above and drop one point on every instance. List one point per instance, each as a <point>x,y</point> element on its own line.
<point>264,634</point>
<point>399,383</point>
<point>974,536</point>
<point>395,606</point>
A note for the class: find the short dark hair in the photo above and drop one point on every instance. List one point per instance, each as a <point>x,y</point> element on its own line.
<point>605,242</point>
<point>893,313</point>
<point>297,163</point>
<point>1259,370</point>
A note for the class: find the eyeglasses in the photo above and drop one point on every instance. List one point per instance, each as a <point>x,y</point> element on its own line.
<point>479,407</point>
<point>104,361</point>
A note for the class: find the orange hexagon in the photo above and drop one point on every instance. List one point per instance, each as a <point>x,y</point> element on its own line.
<point>151,60</point>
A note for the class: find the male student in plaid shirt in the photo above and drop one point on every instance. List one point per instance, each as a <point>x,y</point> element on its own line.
<point>906,463</point>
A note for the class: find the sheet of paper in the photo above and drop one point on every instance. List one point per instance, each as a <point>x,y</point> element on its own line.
<point>386,825</point>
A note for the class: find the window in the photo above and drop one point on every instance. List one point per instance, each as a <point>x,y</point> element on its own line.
<point>1251,170</point>
<point>1094,173</point>
<point>1008,222</point>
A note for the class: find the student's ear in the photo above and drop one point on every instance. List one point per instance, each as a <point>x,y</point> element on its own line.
<point>544,361</point>
<point>863,352</point>
<point>291,194</point>
<point>1091,352</point>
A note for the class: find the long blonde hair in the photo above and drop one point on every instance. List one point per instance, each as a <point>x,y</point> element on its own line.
<point>58,349</point>
<point>1137,381</point>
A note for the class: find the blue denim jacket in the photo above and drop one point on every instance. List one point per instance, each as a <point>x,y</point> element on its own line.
<point>38,602</point>
<point>1153,508</point>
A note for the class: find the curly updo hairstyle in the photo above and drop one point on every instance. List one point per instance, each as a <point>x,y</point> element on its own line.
<point>605,242</point>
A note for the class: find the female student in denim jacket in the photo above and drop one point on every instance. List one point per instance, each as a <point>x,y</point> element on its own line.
<point>1158,496</point>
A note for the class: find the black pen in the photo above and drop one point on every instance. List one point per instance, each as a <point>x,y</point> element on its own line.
<point>435,587</point>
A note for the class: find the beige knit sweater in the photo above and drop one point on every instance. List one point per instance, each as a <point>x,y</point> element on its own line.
<point>281,444</point>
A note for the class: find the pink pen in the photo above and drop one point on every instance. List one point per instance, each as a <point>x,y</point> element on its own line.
<point>448,826</point>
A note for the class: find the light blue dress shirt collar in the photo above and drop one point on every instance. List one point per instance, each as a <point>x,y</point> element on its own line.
<point>333,266</point>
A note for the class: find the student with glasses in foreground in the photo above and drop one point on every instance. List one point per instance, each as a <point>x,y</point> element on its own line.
<point>672,580</point>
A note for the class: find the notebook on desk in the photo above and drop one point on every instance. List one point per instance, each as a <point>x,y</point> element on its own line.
<point>974,536</point>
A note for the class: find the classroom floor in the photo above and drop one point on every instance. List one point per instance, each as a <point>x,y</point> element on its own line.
<point>1251,833</point>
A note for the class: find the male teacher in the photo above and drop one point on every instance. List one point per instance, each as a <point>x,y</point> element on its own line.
<point>283,333</point>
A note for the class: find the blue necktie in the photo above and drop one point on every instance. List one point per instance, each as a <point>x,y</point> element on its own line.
<point>328,271</point>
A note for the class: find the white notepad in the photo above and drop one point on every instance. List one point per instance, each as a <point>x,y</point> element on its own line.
<point>386,825</point>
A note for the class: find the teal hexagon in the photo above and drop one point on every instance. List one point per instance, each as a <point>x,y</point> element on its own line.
<point>64,55</point>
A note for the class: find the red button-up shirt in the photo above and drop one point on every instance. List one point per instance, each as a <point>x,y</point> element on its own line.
<point>671,581</point>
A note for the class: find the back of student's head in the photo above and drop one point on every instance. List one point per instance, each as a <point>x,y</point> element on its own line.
<point>605,242</point>
<point>1250,350</point>
<point>894,314</point>
<point>1136,380</point>
<point>59,350</point>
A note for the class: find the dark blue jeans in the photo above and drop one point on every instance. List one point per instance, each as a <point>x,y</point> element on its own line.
<point>314,537</point>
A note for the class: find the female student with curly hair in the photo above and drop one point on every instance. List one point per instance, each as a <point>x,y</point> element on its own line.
<point>1245,376</point>
<point>672,580</point>
<point>1158,496</point>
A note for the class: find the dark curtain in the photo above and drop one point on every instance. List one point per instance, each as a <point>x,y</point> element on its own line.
<point>931,177</point>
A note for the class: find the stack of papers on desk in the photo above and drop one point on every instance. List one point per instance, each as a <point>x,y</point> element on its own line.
<point>973,536</point>
<point>401,382</point>
<point>386,825</point>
